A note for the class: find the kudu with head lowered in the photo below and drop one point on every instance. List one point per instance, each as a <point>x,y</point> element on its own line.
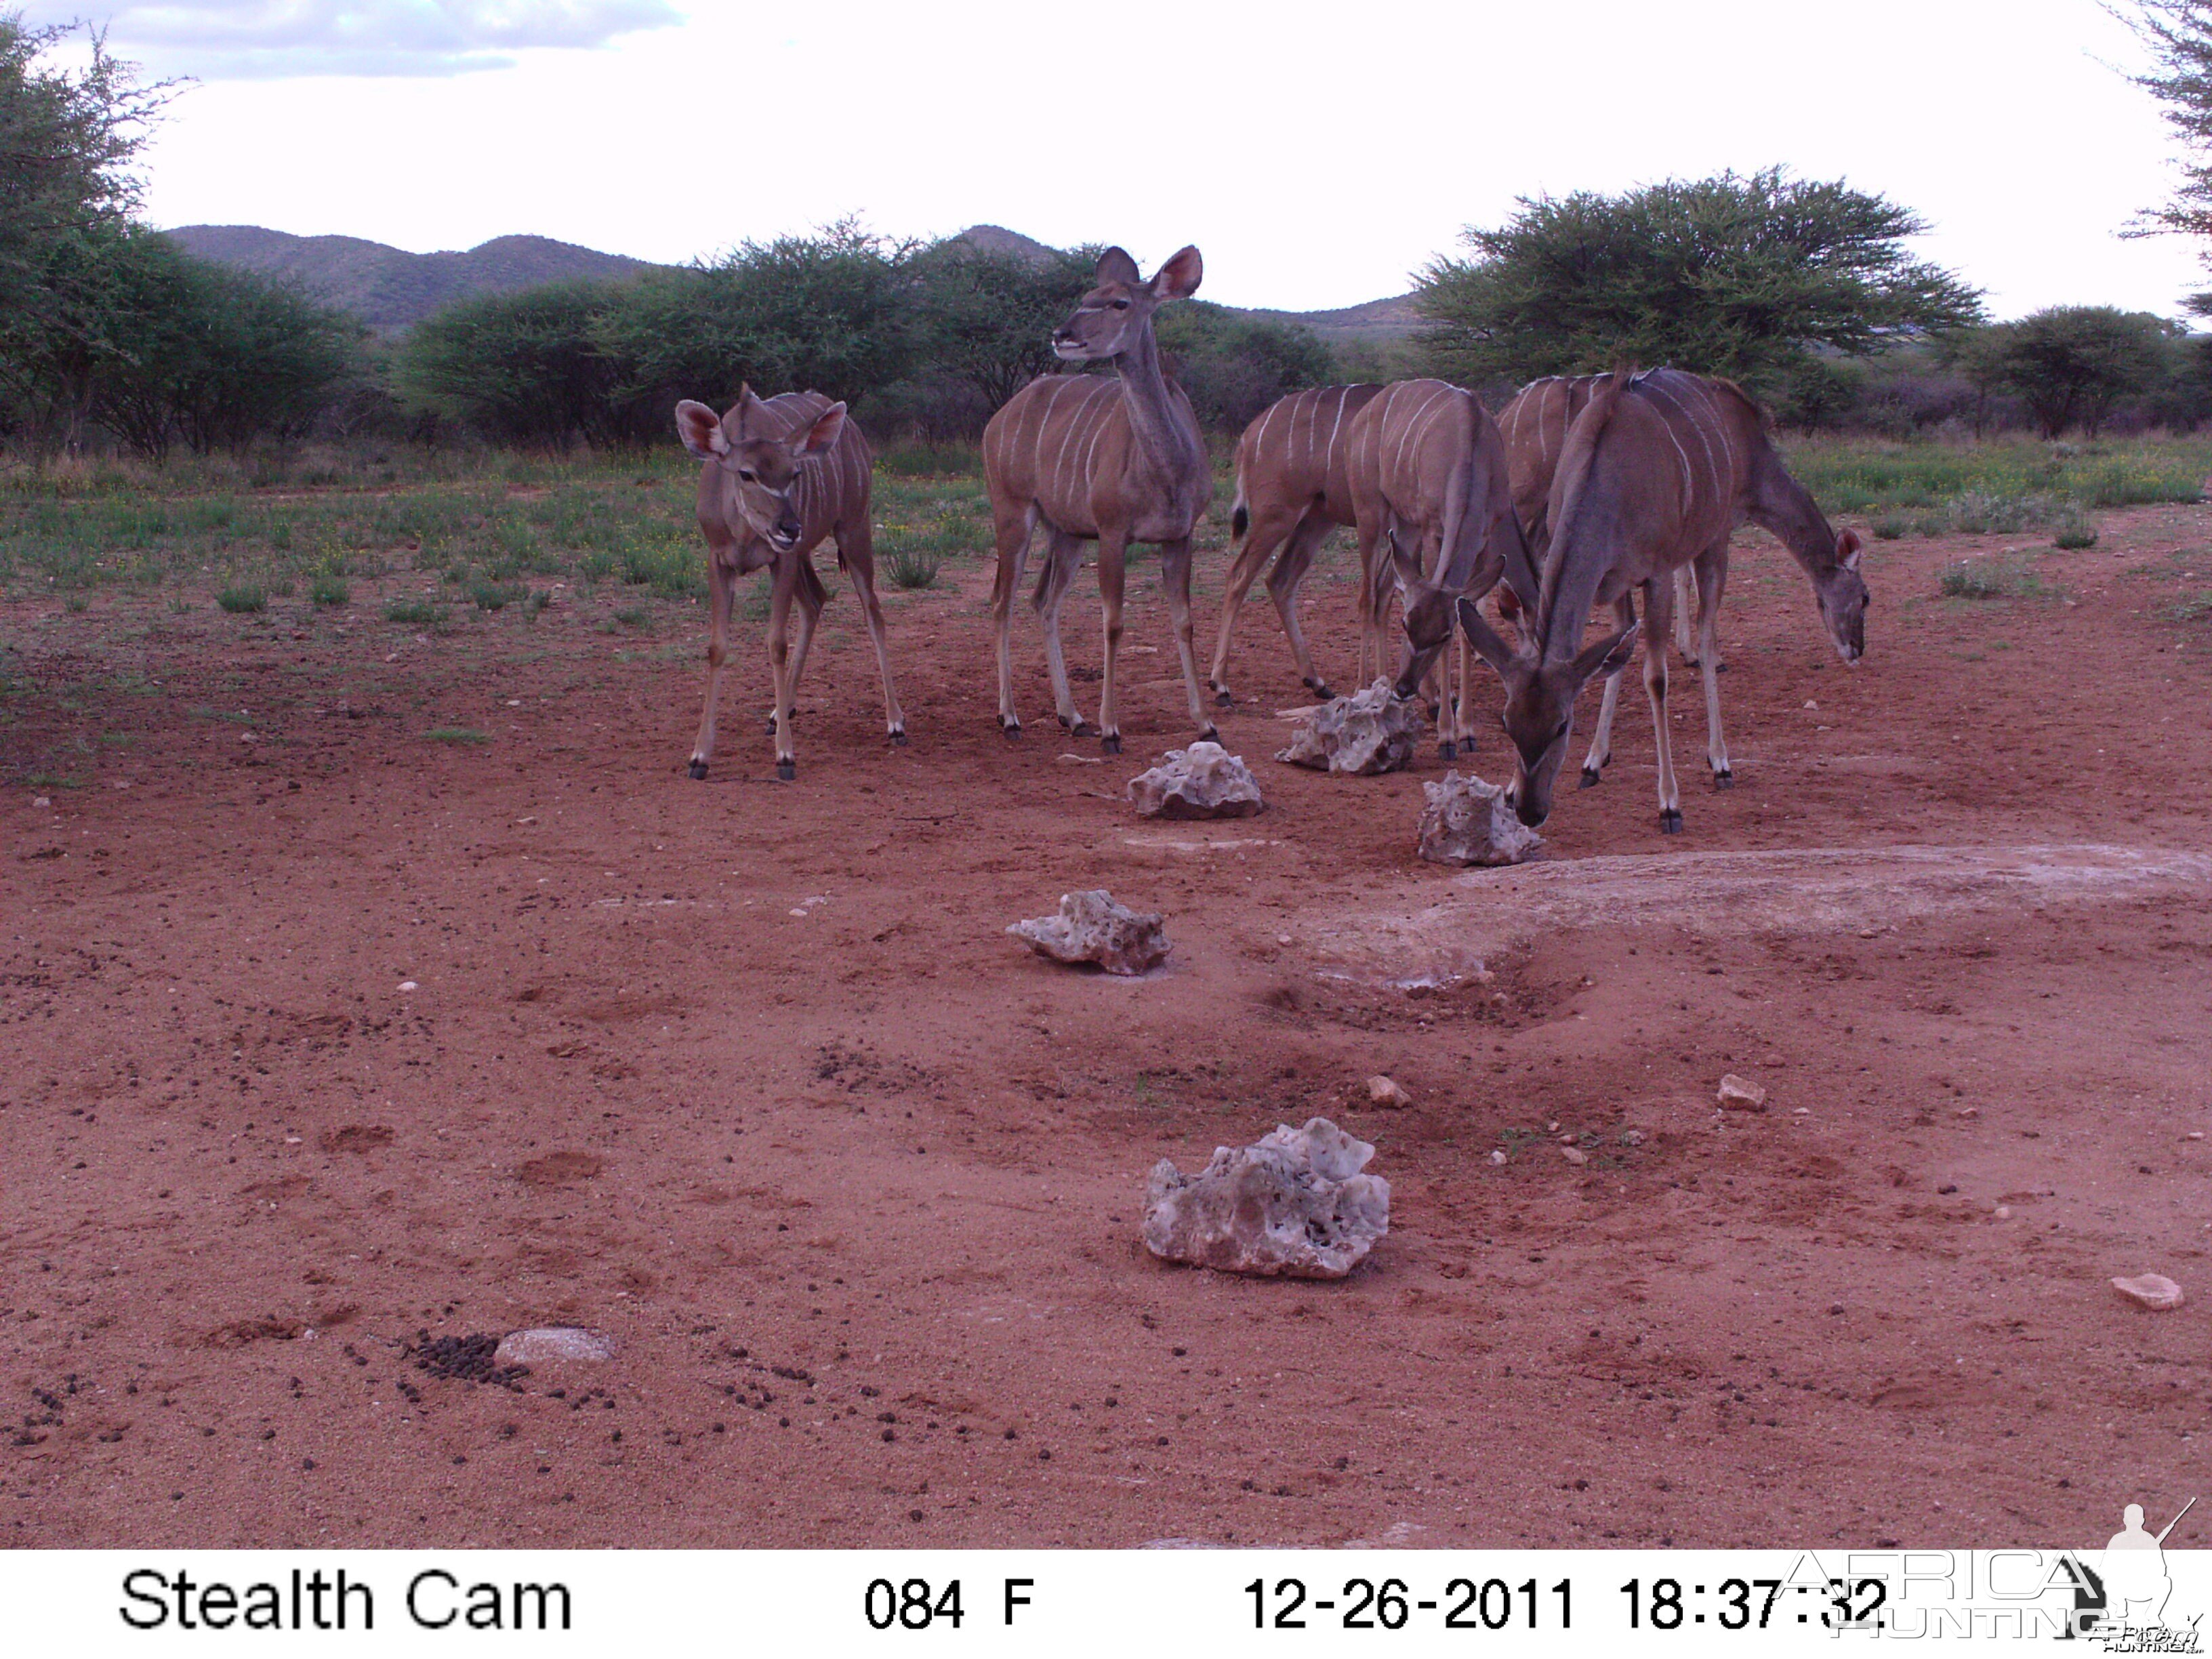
<point>1293,487</point>
<point>1656,472</point>
<point>1096,458</point>
<point>780,474</point>
<point>1435,516</point>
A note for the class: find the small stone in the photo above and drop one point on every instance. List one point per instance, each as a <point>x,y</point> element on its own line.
<point>1202,781</point>
<point>1092,928</point>
<point>1294,1204</point>
<point>1574,1155</point>
<point>42,800</point>
<point>1467,821</point>
<point>2002,1212</point>
<point>553,1345</point>
<point>408,985</point>
<point>1809,703</point>
<point>1368,732</point>
<point>1739,1094</point>
<point>1387,1092</point>
<point>2153,1290</point>
<point>1631,1137</point>
<point>1498,1155</point>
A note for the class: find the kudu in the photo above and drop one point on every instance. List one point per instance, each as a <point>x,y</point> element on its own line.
<point>1427,471</point>
<point>1656,473</point>
<point>1293,487</point>
<point>1093,457</point>
<point>780,475</point>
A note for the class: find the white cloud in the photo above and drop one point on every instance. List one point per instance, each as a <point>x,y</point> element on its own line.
<point>271,40</point>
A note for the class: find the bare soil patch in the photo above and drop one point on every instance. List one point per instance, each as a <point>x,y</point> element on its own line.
<point>748,1077</point>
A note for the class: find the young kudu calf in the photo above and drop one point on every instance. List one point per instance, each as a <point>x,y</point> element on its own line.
<point>1656,472</point>
<point>1112,460</point>
<point>1427,471</point>
<point>780,475</point>
<point>1293,487</point>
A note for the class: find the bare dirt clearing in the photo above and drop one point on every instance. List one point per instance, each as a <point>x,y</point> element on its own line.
<point>748,1077</point>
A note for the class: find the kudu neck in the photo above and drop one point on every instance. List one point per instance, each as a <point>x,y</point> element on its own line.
<point>1151,416</point>
<point>1784,507</point>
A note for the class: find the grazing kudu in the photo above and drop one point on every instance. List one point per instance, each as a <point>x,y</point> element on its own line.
<point>1093,457</point>
<point>1429,494</point>
<point>1656,471</point>
<point>780,475</point>
<point>1292,488</point>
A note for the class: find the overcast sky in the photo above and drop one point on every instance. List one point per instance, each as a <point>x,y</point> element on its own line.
<point>1317,154</point>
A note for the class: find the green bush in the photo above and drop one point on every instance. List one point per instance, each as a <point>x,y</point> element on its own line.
<point>329,590</point>
<point>496,595</point>
<point>246,600</point>
<point>2074,530</point>
<point>1991,579</point>
<point>414,613</point>
<point>910,568</point>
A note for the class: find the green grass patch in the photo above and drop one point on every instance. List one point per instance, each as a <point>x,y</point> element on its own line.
<point>496,596</point>
<point>248,599</point>
<point>414,613</point>
<point>460,734</point>
<point>328,591</point>
<point>1996,578</point>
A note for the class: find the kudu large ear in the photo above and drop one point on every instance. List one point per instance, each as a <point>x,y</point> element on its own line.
<point>1608,656</point>
<point>1179,278</point>
<point>1114,266</point>
<point>701,429</point>
<point>1485,640</point>
<point>821,437</point>
<point>1848,549</point>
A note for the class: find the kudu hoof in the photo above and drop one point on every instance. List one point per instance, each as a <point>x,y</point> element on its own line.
<point>898,739</point>
<point>1724,779</point>
<point>1592,777</point>
<point>1320,689</point>
<point>1449,751</point>
<point>698,768</point>
<point>786,771</point>
<point>1111,743</point>
<point>1011,729</point>
<point>1212,734</point>
<point>1670,822</point>
<point>1221,699</point>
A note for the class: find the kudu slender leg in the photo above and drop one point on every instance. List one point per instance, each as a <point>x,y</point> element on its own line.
<point>1175,577</point>
<point>1370,583</point>
<point>1112,547</point>
<point>808,591</point>
<point>722,576</point>
<point>1262,537</point>
<point>1283,584</point>
<point>860,561</point>
<point>779,662</point>
<point>1601,749</point>
<point>1685,608</point>
<point>1014,530</point>
<point>1063,558</point>
<point>1713,582</point>
<point>1658,604</point>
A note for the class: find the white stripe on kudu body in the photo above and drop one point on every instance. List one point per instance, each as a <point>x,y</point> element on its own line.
<point>1656,471</point>
<point>1128,464</point>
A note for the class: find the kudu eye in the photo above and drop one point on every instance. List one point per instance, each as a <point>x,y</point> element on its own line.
<point>1120,304</point>
<point>747,476</point>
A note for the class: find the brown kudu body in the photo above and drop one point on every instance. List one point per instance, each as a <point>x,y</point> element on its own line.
<point>780,475</point>
<point>1293,487</point>
<point>1431,502</point>
<point>1110,459</point>
<point>1657,471</point>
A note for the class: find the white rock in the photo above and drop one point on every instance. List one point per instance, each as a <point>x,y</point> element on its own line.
<point>1387,1092</point>
<point>1202,781</point>
<point>42,800</point>
<point>1092,928</point>
<point>552,1344</point>
<point>2153,1290</point>
<point>1467,821</point>
<point>408,985</point>
<point>1740,1094</point>
<point>1368,731</point>
<point>1498,1155</point>
<point>1293,1204</point>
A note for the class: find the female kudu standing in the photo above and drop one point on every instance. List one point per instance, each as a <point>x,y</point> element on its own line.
<point>1094,459</point>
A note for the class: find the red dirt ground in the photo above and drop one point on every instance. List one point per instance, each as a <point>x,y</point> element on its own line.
<point>750,1077</point>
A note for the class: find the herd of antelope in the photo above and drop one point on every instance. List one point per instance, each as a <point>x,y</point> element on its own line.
<point>1583,491</point>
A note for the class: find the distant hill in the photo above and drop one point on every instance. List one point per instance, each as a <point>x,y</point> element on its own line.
<point>388,288</point>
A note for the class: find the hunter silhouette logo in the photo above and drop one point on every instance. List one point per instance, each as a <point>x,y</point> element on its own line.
<point>2123,1605</point>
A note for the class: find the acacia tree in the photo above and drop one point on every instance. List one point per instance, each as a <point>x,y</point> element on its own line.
<point>2179,34</point>
<point>2070,364</point>
<point>1740,275</point>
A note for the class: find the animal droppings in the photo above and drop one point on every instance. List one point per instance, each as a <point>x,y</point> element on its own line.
<point>1739,1094</point>
<point>1092,928</point>
<point>1294,1205</point>
<point>1202,781</point>
<point>1467,821</point>
<point>2153,1290</point>
<point>1368,732</point>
